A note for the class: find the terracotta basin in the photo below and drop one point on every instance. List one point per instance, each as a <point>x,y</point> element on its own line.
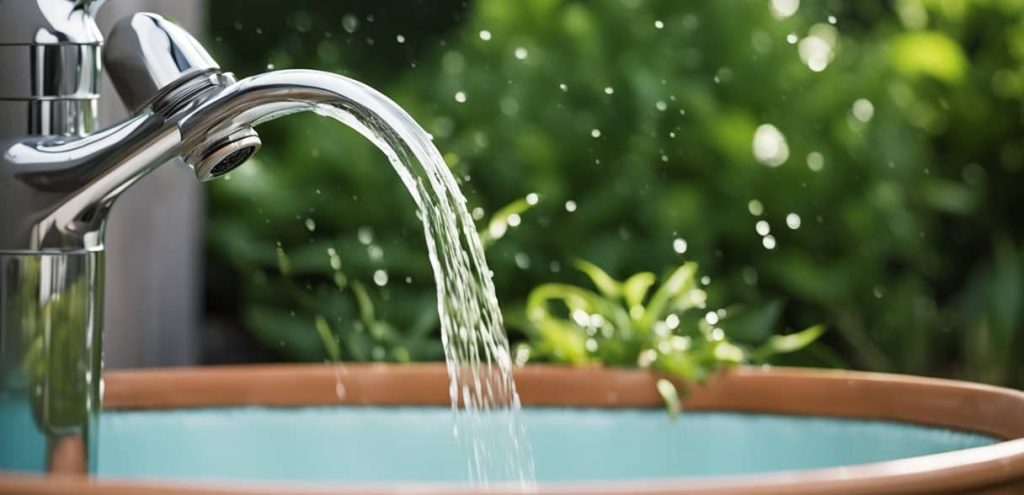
<point>997,467</point>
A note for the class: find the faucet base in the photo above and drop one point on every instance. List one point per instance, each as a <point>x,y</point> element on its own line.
<point>50,359</point>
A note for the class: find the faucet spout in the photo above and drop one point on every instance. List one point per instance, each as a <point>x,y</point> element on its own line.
<point>263,97</point>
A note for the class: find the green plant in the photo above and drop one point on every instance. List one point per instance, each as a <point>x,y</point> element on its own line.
<point>904,164</point>
<point>625,324</point>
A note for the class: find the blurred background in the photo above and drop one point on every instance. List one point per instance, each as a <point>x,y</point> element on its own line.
<point>856,164</point>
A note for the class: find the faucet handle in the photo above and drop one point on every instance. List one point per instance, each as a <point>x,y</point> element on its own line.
<point>151,59</point>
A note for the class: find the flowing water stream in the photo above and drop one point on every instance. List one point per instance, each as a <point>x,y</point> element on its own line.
<point>483,394</point>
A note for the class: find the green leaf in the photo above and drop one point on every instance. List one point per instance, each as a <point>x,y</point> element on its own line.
<point>752,324</point>
<point>573,297</point>
<point>563,341</point>
<point>780,344</point>
<point>366,310</point>
<point>635,288</point>
<point>559,337</point>
<point>948,196</point>
<point>928,53</point>
<point>331,344</point>
<point>726,352</point>
<point>670,395</point>
<point>679,364</point>
<point>679,287</point>
<point>608,286</point>
<point>499,224</point>
<point>283,263</point>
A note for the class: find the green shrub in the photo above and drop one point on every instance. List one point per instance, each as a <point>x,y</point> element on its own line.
<point>890,207</point>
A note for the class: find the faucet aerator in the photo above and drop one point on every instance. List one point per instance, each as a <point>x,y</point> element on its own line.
<point>225,155</point>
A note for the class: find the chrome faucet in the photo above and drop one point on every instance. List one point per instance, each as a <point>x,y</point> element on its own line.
<point>59,176</point>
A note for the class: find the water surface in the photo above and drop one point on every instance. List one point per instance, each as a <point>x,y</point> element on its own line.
<point>367,444</point>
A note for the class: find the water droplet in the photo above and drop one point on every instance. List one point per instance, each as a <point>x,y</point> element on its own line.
<point>365,235</point>
<point>380,277</point>
<point>762,227</point>
<point>595,133</point>
<point>563,87</point>
<point>335,260</point>
<point>521,53</point>
<point>485,35</point>
<point>350,23</point>
<point>863,110</point>
<point>672,321</point>
<point>782,9</point>
<point>755,207</point>
<point>705,280</point>
<point>816,50</point>
<point>514,220</point>
<point>711,317</point>
<point>532,199</point>
<point>750,275</point>
<point>832,19</point>
<point>608,90</point>
<point>509,106</point>
<point>768,242</point>
<point>478,213</point>
<point>792,38</point>
<point>310,224</point>
<point>679,245</point>
<point>400,39</point>
<point>770,146</point>
<point>661,105</point>
<point>522,261</point>
<point>497,230</point>
<point>570,206</point>
<point>460,96</point>
<point>659,25</point>
<point>646,358</point>
<point>815,161</point>
<point>793,221</point>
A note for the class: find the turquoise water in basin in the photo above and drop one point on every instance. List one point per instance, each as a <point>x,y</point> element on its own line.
<point>364,444</point>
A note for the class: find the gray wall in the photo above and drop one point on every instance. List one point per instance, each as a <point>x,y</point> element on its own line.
<point>154,238</point>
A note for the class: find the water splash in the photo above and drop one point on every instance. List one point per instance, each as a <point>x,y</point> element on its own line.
<point>476,348</point>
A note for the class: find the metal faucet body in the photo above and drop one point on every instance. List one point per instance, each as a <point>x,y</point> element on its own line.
<point>59,177</point>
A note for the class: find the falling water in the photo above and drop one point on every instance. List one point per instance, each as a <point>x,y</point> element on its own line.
<point>476,348</point>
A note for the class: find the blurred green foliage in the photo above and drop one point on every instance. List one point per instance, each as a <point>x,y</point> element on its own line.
<point>881,143</point>
<point>632,323</point>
